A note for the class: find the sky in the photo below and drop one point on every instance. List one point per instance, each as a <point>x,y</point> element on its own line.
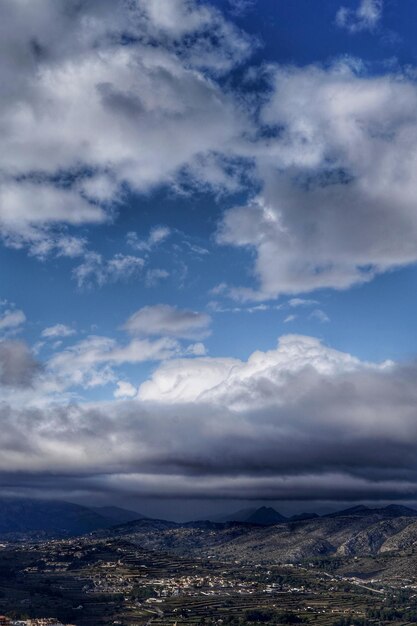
<point>208,253</point>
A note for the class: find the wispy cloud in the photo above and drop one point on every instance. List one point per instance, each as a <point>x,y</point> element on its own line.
<point>155,276</point>
<point>59,330</point>
<point>320,315</point>
<point>163,319</point>
<point>11,319</point>
<point>366,17</point>
<point>301,302</point>
<point>95,270</point>
<point>290,318</point>
<point>157,235</point>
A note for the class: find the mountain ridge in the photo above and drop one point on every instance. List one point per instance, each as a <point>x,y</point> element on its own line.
<point>354,532</point>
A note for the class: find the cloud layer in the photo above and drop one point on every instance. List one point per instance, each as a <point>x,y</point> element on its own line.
<point>123,96</point>
<point>301,421</point>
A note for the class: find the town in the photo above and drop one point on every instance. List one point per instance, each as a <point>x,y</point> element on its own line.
<point>90,580</point>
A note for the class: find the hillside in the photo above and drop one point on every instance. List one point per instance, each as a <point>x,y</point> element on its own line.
<point>117,515</point>
<point>351,533</point>
<point>21,517</point>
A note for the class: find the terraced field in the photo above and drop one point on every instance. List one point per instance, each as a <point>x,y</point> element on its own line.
<point>96,581</point>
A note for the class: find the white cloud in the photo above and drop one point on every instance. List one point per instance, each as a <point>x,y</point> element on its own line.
<point>59,330</point>
<point>320,315</point>
<point>125,390</point>
<point>163,319</point>
<point>186,380</point>
<point>36,202</point>
<point>244,385</point>
<point>100,114</point>
<point>96,270</point>
<point>196,349</point>
<point>301,302</point>
<point>290,318</point>
<point>11,319</point>
<point>299,419</point>
<point>91,362</point>
<point>157,235</point>
<point>76,99</point>
<point>154,276</point>
<point>42,242</point>
<point>366,17</point>
<point>257,308</point>
<point>337,204</point>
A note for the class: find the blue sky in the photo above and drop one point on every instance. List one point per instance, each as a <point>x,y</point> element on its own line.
<point>184,185</point>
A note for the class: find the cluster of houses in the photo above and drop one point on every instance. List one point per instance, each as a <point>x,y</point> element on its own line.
<point>43,621</point>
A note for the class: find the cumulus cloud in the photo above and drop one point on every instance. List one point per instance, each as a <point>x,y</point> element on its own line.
<point>90,104</point>
<point>231,381</point>
<point>31,203</point>
<point>337,204</point>
<point>163,319</point>
<point>336,172</point>
<point>124,390</point>
<point>366,17</point>
<point>196,349</point>
<point>93,362</point>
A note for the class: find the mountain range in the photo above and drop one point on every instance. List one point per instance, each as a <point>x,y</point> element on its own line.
<point>21,518</point>
<point>261,534</point>
<point>353,532</point>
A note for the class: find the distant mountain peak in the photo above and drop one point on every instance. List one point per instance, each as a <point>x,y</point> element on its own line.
<point>400,509</point>
<point>266,516</point>
<point>263,516</point>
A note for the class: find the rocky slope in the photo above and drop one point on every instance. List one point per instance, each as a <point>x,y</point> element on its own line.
<point>351,533</point>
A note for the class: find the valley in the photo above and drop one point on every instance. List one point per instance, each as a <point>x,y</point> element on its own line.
<point>356,568</point>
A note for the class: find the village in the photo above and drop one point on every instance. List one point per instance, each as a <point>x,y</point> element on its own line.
<point>92,581</point>
<point>47,621</point>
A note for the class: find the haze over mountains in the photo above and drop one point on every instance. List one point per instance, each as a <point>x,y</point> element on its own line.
<point>356,528</point>
<point>21,517</point>
<point>360,537</point>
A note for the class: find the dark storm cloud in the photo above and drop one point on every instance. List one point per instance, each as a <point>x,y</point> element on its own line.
<point>317,431</point>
